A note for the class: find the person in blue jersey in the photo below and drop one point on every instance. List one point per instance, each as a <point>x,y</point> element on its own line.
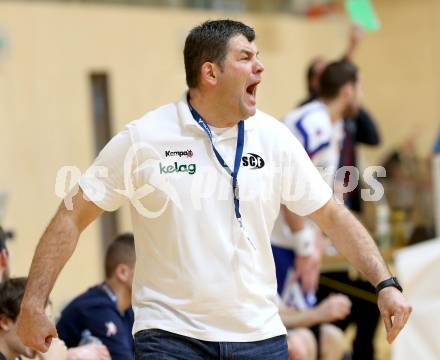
<point>318,126</point>
<point>361,129</point>
<point>104,311</point>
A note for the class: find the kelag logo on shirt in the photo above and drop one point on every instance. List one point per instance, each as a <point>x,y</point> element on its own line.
<point>253,161</point>
<point>176,168</point>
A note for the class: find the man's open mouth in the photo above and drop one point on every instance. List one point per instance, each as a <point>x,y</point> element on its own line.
<point>252,89</point>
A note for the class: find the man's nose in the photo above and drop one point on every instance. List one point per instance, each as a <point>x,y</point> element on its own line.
<point>259,67</point>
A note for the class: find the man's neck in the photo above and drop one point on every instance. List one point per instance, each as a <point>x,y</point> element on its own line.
<point>123,295</point>
<point>334,108</point>
<point>211,110</point>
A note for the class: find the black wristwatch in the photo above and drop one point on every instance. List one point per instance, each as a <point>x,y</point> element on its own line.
<point>392,281</point>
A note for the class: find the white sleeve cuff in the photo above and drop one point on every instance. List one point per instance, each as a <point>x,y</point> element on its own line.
<point>304,240</point>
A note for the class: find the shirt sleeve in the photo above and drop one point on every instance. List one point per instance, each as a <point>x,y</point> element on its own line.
<point>104,181</point>
<point>303,188</point>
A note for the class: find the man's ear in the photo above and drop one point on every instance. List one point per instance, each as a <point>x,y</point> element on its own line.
<point>208,73</point>
<point>122,272</point>
<point>5,323</point>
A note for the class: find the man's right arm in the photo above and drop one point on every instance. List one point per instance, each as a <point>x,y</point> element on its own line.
<point>56,246</point>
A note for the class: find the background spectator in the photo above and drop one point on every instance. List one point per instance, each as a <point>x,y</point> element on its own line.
<point>104,311</point>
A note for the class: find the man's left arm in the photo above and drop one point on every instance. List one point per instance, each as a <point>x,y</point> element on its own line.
<point>354,243</point>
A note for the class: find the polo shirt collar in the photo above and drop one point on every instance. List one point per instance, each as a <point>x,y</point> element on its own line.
<point>188,121</point>
<point>109,291</point>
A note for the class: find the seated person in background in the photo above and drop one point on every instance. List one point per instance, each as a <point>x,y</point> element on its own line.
<point>303,344</point>
<point>11,347</point>
<point>104,311</point>
<point>11,294</point>
<point>310,334</point>
<point>4,257</point>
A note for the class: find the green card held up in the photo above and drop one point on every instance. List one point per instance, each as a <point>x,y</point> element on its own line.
<point>362,12</point>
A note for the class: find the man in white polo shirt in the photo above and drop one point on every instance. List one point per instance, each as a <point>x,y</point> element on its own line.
<point>205,177</point>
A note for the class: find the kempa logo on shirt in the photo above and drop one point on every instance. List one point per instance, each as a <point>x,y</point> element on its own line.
<point>187,153</point>
<point>167,169</point>
<point>254,161</point>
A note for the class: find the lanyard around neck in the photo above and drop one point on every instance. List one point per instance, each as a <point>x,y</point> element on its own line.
<point>238,154</point>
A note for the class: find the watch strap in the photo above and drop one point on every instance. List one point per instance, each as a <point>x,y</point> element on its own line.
<point>392,281</point>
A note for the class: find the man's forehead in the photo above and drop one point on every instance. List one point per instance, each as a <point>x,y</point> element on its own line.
<point>241,43</point>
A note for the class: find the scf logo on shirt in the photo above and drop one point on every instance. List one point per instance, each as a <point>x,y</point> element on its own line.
<point>253,161</point>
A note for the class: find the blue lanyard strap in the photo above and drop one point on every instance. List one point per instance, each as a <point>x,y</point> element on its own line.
<point>238,154</point>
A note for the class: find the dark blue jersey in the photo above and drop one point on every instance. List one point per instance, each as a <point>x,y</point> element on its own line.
<point>96,310</point>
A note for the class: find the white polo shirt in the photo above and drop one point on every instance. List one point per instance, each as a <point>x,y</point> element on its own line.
<point>196,272</point>
<point>321,138</point>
